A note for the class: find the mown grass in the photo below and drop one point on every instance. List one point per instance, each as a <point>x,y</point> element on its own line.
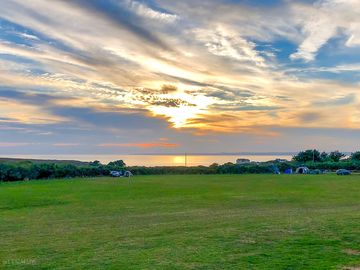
<point>182,222</point>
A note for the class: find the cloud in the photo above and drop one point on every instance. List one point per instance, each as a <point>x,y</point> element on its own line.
<point>110,118</point>
<point>168,88</point>
<point>223,42</point>
<point>145,11</point>
<point>29,98</point>
<point>227,93</point>
<point>165,68</point>
<point>66,144</point>
<point>247,108</point>
<point>141,145</point>
<point>337,69</point>
<point>26,113</point>
<point>13,144</point>
<point>171,102</point>
<point>115,13</point>
<point>320,25</point>
<point>337,101</point>
<point>310,116</point>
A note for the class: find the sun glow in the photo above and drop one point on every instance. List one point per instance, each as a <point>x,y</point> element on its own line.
<point>179,115</point>
<point>178,160</point>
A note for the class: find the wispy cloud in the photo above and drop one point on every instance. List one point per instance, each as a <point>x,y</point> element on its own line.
<point>327,19</point>
<point>143,10</point>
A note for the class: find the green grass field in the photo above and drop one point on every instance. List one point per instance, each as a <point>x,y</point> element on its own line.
<point>182,222</point>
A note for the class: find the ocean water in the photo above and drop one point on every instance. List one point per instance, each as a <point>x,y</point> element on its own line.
<point>159,160</point>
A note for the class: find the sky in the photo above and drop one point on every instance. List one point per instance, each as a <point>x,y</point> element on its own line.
<point>159,76</point>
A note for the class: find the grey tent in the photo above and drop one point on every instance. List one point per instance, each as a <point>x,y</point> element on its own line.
<point>302,170</point>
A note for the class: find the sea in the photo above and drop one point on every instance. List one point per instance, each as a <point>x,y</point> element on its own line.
<point>164,160</point>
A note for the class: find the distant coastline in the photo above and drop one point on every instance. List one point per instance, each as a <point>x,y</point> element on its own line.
<point>153,159</point>
<point>218,154</point>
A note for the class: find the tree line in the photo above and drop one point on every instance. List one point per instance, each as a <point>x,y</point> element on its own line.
<point>313,155</point>
<point>314,159</point>
<point>27,170</point>
<point>24,170</point>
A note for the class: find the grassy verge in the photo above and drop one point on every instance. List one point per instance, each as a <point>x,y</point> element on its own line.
<point>182,222</point>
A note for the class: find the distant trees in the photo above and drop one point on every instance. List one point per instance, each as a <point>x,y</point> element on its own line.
<point>95,163</point>
<point>308,155</point>
<point>214,165</point>
<point>227,168</point>
<point>355,156</point>
<point>21,171</point>
<point>315,156</point>
<point>117,164</point>
<point>324,156</point>
<point>336,156</point>
<point>15,171</point>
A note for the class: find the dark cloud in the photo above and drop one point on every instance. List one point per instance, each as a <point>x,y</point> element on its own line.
<point>6,119</point>
<point>184,80</point>
<point>310,116</point>
<point>171,102</point>
<point>28,97</point>
<point>217,120</point>
<point>109,119</point>
<point>168,88</point>
<point>153,97</point>
<point>165,89</point>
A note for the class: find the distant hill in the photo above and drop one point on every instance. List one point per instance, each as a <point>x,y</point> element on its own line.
<point>39,161</point>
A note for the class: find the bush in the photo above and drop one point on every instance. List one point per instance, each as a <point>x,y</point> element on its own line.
<point>355,156</point>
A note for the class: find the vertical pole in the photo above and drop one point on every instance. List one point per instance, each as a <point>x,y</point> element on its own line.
<point>185,159</point>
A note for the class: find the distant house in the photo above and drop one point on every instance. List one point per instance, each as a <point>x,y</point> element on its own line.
<point>280,160</point>
<point>243,161</point>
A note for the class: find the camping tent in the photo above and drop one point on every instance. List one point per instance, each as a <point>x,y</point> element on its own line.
<point>302,170</point>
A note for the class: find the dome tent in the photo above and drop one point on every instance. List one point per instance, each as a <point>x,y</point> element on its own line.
<point>302,170</point>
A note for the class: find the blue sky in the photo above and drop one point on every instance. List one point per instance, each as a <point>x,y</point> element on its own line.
<point>126,76</point>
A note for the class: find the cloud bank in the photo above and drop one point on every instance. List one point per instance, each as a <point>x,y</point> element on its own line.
<point>180,70</point>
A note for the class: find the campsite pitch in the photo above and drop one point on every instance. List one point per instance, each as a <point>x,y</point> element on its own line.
<point>182,222</point>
